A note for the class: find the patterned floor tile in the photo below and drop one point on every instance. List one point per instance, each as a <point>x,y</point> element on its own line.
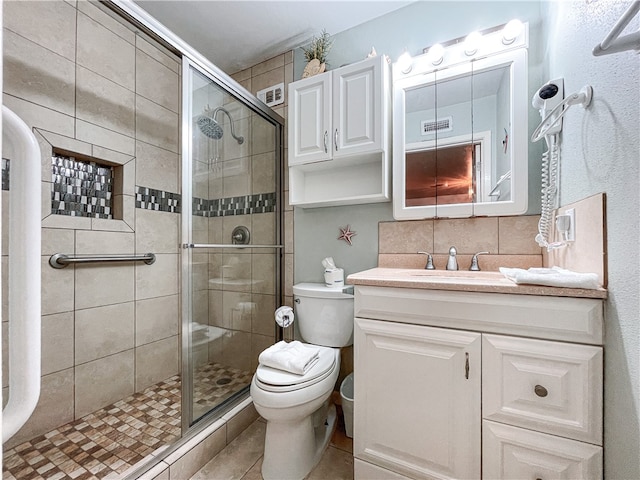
<point>118,436</point>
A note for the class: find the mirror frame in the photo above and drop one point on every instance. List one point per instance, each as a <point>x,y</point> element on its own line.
<point>516,59</point>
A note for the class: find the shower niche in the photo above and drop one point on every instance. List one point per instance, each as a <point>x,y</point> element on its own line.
<point>85,187</point>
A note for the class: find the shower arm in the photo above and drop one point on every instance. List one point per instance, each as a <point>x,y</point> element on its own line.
<point>240,140</point>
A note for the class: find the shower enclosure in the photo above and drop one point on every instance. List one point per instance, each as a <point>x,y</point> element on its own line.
<point>136,357</point>
<point>231,241</point>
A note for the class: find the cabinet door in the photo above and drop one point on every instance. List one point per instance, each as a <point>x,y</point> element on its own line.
<point>359,113</point>
<point>417,399</point>
<point>310,120</point>
<point>547,386</point>
<point>510,453</point>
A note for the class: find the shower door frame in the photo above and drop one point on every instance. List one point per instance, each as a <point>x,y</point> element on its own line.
<point>229,86</point>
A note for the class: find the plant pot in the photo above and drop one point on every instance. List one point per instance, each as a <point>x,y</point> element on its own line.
<point>314,67</point>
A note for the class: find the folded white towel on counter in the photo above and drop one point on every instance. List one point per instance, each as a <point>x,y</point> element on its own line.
<point>294,357</point>
<point>552,277</point>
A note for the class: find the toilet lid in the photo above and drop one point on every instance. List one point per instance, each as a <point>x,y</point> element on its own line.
<point>280,378</point>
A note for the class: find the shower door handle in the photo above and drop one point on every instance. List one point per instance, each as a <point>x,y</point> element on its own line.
<point>226,245</point>
<point>326,137</point>
<point>24,272</point>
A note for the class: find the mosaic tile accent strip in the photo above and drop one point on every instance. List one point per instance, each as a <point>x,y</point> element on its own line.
<point>242,205</point>
<point>118,436</point>
<point>81,189</point>
<point>5,173</point>
<point>159,200</point>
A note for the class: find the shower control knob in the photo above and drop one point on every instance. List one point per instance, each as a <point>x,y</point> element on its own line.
<point>240,235</point>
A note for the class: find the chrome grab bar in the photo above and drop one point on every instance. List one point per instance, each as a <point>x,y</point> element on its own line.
<point>60,260</point>
<point>220,245</point>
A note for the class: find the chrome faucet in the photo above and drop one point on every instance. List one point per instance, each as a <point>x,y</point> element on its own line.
<point>452,263</point>
<point>429,265</point>
<point>474,262</point>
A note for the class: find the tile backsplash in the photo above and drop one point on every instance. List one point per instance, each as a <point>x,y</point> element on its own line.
<point>509,241</point>
<point>588,253</point>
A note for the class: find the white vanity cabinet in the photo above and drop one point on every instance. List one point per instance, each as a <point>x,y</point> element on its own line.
<point>339,130</point>
<point>453,385</point>
<point>418,399</point>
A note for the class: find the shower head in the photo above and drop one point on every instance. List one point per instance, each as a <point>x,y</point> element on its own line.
<point>210,127</point>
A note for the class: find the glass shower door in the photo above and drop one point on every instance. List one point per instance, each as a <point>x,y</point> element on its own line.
<point>231,234</point>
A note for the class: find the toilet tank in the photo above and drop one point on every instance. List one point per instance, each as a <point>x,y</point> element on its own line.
<point>324,314</point>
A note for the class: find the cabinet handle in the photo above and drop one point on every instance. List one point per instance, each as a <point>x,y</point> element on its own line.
<point>335,139</point>
<point>326,136</point>
<point>466,365</point>
<point>540,391</point>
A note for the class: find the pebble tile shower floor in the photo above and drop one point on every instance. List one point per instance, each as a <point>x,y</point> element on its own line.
<point>118,436</point>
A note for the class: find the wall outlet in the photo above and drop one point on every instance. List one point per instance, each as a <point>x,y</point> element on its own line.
<point>566,225</point>
<point>571,233</point>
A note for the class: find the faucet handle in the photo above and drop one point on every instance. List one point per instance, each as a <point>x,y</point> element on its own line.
<point>474,262</point>
<point>429,265</point>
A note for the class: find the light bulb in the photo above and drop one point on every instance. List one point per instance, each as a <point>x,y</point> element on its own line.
<point>472,43</point>
<point>436,54</point>
<point>405,62</point>
<point>511,31</point>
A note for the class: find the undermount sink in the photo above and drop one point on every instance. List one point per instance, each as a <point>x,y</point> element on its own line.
<point>481,275</point>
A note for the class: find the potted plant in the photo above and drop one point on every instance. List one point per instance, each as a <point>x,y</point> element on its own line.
<point>316,54</point>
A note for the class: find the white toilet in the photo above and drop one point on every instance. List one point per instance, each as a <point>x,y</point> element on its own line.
<point>300,420</point>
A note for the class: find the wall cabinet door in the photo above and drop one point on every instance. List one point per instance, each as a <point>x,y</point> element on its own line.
<point>358,108</point>
<point>417,399</point>
<point>309,124</point>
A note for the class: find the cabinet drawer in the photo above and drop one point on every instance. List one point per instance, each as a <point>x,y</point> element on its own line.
<point>511,452</point>
<point>547,386</point>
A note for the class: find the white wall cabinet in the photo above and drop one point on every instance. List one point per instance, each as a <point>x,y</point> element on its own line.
<point>339,130</point>
<point>537,401</point>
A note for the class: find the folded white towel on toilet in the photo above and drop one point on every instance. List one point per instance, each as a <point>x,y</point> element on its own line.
<point>294,357</point>
<point>552,277</point>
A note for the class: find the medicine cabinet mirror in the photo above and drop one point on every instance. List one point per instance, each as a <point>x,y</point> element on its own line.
<point>461,134</point>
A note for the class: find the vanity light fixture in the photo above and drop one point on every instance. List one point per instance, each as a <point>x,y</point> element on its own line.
<point>405,62</point>
<point>458,51</point>
<point>511,31</point>
<point>472,43</point>
<point>436,54</point>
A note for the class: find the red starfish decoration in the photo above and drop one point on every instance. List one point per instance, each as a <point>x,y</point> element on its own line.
<point>346,234</point>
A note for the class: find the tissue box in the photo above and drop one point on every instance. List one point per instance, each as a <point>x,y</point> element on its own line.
<point>334,277</point>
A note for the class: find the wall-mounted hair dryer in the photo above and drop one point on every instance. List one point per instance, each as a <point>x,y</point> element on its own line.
<point>548,97</point>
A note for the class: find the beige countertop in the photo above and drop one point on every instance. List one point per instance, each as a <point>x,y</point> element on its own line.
<point>463,281</point>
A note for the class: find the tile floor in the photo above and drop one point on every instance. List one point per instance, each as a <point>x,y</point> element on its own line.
<point>242,458</point>
<point>118,436</point>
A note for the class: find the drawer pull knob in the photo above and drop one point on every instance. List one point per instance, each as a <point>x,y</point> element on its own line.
<point>540,391</point>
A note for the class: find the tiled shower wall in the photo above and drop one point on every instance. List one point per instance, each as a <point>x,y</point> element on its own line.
<point>88,83</point>
<point>278,69</point>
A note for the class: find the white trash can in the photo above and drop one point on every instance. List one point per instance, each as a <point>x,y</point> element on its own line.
<point>346,392</point>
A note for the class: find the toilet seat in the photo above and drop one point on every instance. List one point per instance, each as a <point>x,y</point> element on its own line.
<point>274,380</point>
